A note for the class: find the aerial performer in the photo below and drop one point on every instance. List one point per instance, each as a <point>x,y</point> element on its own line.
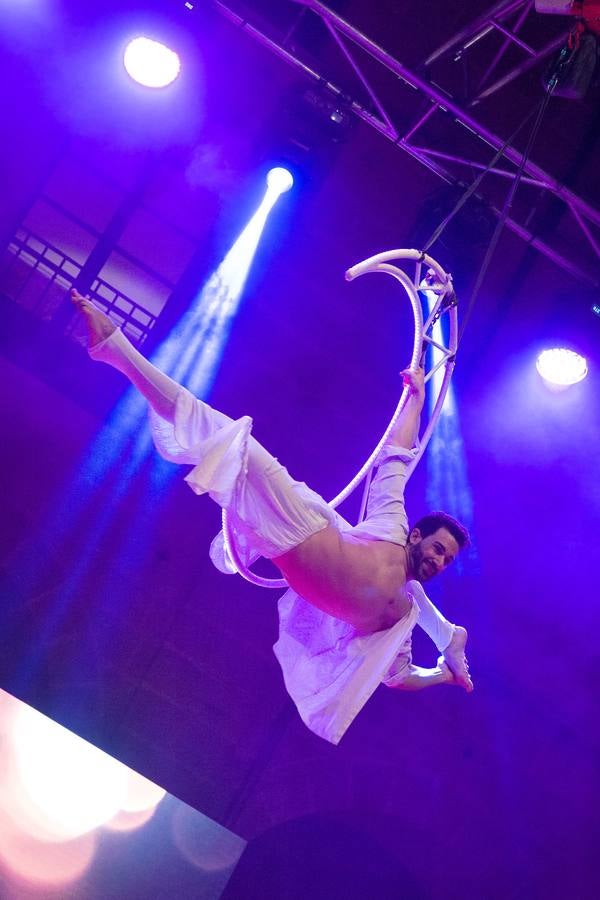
<point>355,593</point>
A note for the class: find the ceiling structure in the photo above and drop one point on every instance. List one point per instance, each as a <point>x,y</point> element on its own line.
<point>448,108</point>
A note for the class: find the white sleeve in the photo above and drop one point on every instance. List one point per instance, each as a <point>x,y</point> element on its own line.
<point>431,620</point>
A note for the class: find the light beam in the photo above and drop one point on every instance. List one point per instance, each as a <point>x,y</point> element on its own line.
<point>447,484</point>
<point>192,351</point>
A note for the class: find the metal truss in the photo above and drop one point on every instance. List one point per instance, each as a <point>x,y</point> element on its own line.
<point>496,22</point>
<point>427,121</point>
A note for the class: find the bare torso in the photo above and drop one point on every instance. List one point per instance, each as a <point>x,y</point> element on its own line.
<point>359,581</point>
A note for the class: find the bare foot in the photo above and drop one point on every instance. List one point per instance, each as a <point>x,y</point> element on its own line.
<point>444,668</point>
<point>454,656</point>
<point>99,326</point>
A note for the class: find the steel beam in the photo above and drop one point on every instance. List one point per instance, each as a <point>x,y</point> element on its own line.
<point>377,110</point>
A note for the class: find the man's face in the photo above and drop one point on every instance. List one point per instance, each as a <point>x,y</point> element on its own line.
<point>432,554</point>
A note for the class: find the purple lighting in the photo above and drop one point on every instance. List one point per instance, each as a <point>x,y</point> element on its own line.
<point>151,63</point>
<point>560,368</point>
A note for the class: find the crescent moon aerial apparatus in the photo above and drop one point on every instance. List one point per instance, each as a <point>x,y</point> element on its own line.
<point>438,283</point>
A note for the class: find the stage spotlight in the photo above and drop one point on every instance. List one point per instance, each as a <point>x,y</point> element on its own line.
<point>279,180</point>
<point>151,63</point>
<point>561,368</point>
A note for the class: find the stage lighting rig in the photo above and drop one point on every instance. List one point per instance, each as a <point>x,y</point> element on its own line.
<point>307,129</point>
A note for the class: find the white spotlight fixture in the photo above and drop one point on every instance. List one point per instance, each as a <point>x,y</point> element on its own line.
<point>151,63</point>
<point>561,368</point>
<point>279,180</point>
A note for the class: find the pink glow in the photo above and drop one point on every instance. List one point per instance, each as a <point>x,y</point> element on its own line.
<point>43,862</point>
<point>203,843</point>
<point>129,821</point>
<point>140,793</point>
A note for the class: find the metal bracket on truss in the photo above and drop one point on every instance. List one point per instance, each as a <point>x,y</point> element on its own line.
<point>442,134</point>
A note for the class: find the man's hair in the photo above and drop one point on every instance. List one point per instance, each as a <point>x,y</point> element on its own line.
<point>430,523</point>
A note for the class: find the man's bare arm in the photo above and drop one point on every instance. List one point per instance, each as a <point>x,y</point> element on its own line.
<point>406,429</point>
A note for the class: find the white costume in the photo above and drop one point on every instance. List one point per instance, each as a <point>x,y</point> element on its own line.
<point>330,671</point>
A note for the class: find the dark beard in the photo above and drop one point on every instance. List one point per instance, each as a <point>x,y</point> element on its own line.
<point>416,558</point>
<point>415,555</point>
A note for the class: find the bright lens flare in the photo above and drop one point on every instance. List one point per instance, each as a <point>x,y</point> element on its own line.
<point>561,368</point>
<point>151,63</point>
<point>63,787</point>
<point>73,786</point>
<point>279,180</point>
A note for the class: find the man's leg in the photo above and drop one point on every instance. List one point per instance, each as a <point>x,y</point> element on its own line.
<point>268,501</point>
<point>109,345</point>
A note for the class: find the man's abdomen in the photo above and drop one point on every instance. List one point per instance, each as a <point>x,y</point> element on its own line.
<point>361,583</point>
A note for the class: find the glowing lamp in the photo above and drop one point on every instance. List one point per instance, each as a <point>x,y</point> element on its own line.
<point>151,63</point>
<point>279,180</point>
<point>561,368</point>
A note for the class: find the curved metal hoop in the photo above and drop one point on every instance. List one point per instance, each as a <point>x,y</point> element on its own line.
<point>437,286</point>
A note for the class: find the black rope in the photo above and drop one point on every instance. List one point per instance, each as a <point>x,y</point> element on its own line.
<point>505,210</point>
<point>473,187</point>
